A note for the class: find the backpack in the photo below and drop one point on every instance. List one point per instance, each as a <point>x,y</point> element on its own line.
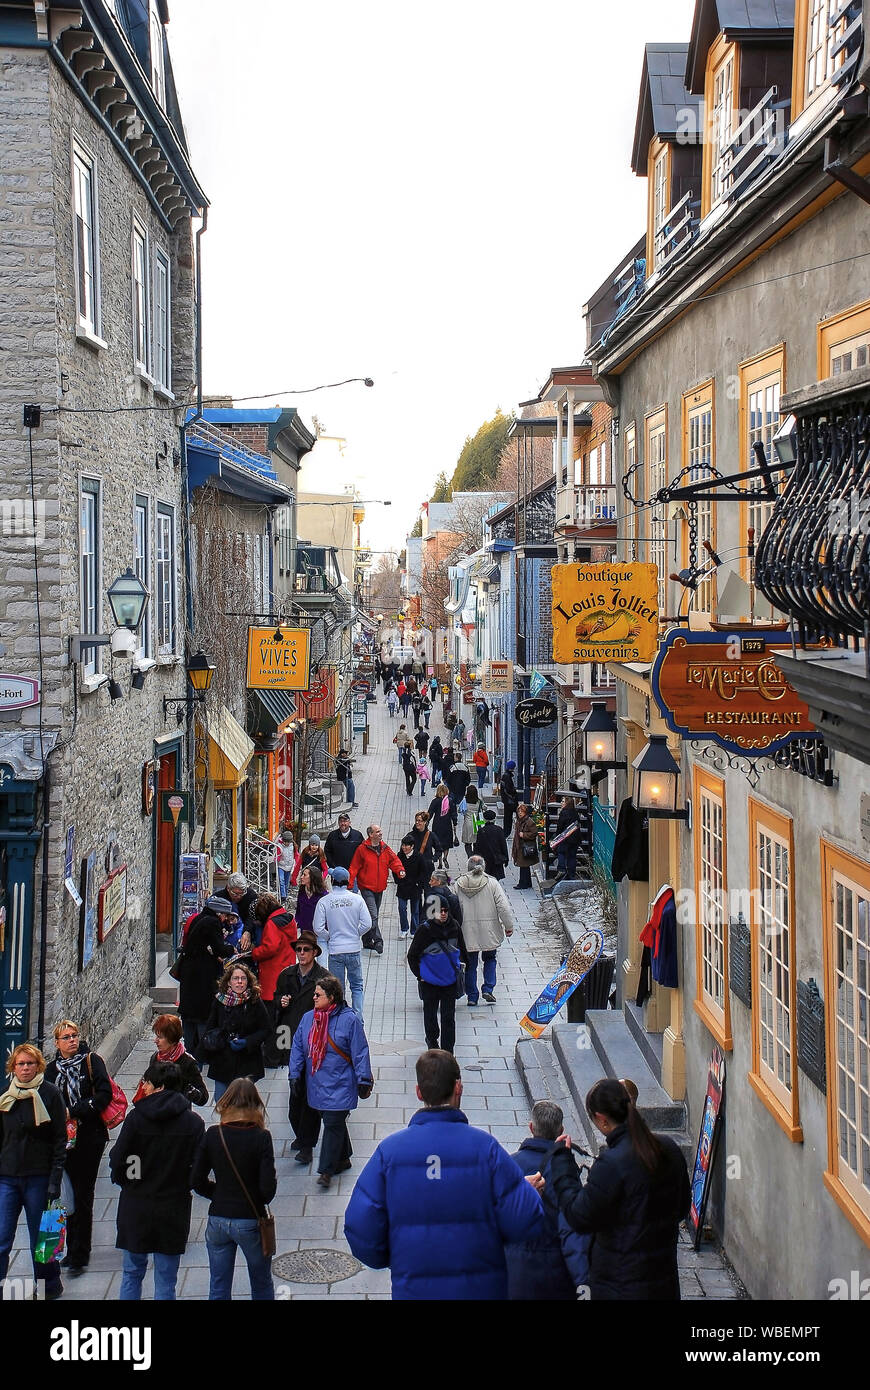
<point>440,964</point>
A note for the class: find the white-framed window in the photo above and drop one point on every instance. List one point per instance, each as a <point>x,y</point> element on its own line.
<point>162,319</point>
<point>699,446</point>
<point>657,514</point>
<point>773,863</point>
<point>164,580</point>
<point>142,566</point>
<point>846,908</point>
<point>158,76</point>
<point>86,240</point>
<point>822,38</point>
<point>660,202</point>
<point>89,567</point>
<point>141,318</point>
<point>711,999</point>
<point>722,124</point>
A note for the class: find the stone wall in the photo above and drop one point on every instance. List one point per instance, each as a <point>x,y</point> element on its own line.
<point>105,421</point>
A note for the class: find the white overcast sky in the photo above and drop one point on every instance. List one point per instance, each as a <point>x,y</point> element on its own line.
<point>421,194</point>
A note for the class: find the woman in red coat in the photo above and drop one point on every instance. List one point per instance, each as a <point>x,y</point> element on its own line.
<point>275,951</point>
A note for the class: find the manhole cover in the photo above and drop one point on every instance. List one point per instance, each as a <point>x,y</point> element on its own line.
<point>315,1266</point>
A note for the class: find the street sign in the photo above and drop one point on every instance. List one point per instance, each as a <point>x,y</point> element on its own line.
<point>497,677</point>
<point>605,612</point>
<point>536,714</point>
<point>278,665</point>
<point>725,687</point>
<point>361,687</point>
<point>17,692</point>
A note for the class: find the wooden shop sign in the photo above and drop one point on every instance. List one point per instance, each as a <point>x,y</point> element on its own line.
<point>605,612</point>
<point>727,688</point>
<point>536,714</point>
<point>497,677</point>
<point>111,902</point>
<point>274,665</point>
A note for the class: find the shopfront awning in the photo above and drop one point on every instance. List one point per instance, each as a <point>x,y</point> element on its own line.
<point>279,705</point>
<point>229,749</point>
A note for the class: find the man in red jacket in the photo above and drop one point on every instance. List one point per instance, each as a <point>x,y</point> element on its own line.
<point>370,868</point>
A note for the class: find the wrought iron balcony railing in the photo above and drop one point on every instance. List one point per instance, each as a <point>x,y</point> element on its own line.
<point>813,559</point>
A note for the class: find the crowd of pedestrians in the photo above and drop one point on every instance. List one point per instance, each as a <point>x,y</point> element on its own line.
<point>253,994</point>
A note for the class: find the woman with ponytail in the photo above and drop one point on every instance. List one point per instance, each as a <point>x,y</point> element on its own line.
<point>635,1196</point>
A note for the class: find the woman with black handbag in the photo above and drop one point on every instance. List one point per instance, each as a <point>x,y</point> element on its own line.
<point>235,1031</point>
<point>240,1153</point>
<point>525,844</point>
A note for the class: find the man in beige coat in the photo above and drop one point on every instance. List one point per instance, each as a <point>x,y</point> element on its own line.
<point>486,921</point>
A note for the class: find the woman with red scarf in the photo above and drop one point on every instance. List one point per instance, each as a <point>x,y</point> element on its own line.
<point>330,1049</point>
<point>170,1048</point>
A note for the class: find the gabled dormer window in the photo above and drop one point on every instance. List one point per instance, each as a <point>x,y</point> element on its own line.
<point>721,100</point>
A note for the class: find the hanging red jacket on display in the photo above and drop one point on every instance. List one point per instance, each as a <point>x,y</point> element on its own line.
<point>659,939</point>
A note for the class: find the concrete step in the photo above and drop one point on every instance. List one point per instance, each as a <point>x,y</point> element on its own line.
<point>581,1067</point>
<point>619,1055</point>
<point>164,994</point>
<point>544,1079</point>
<point>650,1044</point>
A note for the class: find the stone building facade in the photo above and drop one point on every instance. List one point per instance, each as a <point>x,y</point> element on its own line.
<point>96,200</point>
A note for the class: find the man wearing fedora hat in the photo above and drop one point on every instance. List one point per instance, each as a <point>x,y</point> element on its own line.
<point>294,996</point>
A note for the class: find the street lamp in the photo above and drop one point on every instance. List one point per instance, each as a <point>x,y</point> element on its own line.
<point>656,778</point>
<point>200,673</point>
<point>127,599</point>
<point>599,737</point>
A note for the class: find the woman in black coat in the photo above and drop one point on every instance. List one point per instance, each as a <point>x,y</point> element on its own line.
<point>442,823</point>
<point>410,888</point>
<point>170,1048</point>
<point>409,767</point>
<point>436,755</point>
<point>239,1152</point>
<point>199,965</point>
<point>425,845</point>
<point>81,1077</point>
<point>490,843</point>
<point>152,1163</point>
<point>235,1030</point>
<point>635,1196</point>
<point>32,1149</point>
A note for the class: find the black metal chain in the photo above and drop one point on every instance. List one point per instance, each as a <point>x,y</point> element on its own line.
<point>693,537</point>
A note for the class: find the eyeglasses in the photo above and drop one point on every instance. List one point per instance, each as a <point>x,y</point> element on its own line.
<point>304,950</point>
<point>68,1037</point>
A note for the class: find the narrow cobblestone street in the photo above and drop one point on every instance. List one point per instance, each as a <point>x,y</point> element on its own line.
<point>307,1218</point>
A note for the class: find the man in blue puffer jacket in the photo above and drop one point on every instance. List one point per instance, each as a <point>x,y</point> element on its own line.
<point>439,1201</point>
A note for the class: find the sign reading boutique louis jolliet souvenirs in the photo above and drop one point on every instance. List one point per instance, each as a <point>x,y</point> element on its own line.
<point>726,687</point>
<point>605,612</point>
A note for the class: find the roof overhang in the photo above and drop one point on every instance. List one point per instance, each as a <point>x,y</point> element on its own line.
<point>580,380</point>
<point>544,426</point>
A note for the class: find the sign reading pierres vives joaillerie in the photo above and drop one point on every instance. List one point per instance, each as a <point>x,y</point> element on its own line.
<point>726,687</point>
<point>605,612</point>
<point>275,664</point>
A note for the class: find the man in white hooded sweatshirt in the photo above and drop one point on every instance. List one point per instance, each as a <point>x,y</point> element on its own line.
<point>341,920</point>
<point>486,920</point>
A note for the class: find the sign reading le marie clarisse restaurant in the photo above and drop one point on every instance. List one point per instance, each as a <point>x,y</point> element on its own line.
<point>274,665</point>
<point>726,687</point>
<point>605,612</point>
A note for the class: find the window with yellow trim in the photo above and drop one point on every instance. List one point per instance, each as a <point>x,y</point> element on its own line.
<point>761,385</point>
<point>698,457</point>
<point>656,452</point>
<point>721,100</point>
<point>774,1055</point>
<point>844,341</point>
<point>819,29</point>
<point>712,998</point>
<point>659,175</point>
<point>846,915</point>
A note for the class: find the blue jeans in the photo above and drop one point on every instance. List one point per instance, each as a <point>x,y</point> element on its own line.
<point>28,1194</point>
<point>352,964</point>
<point>222,1235</point>
<point>350,788</point>
<point>284,877</point>
<point>471,992</point>
<point>481,777</point>
<point>413,922</point>
<point>426,715</point>
<point>219,1088</point>
<point>566,859</point>
<point>165,1277</point>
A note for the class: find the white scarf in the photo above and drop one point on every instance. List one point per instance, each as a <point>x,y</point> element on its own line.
<point>21,1090</point>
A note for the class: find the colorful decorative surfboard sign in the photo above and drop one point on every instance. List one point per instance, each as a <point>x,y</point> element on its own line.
<point>571,973</point>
